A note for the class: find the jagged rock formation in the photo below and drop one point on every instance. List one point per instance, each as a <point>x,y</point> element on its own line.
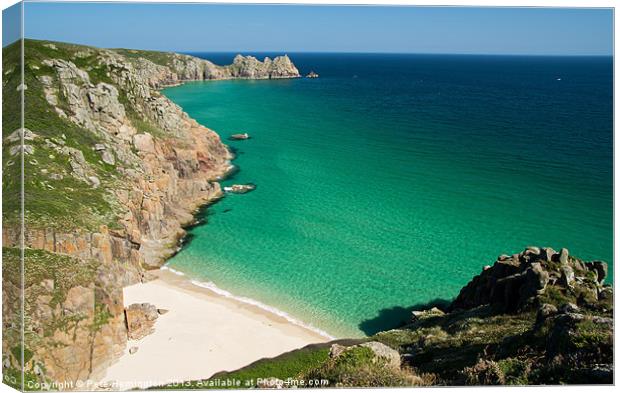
<point>140,319</point>
<point>518,281</point>
<point>250,67</point>
<point>115,170</point>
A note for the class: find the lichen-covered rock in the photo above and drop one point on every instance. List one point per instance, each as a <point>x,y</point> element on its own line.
<point>422,314</point>
<point>140,319</point>
<point>380,351</point>
<point>384,352</point>
<point>527,278</point>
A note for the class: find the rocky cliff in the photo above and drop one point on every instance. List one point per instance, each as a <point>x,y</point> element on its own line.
<point>113,170</point>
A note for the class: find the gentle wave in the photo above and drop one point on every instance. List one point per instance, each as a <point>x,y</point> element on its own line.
<point>222,292</point>
<point>171,270</point>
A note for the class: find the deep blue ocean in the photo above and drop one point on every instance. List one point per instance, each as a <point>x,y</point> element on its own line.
<point>392,179</point>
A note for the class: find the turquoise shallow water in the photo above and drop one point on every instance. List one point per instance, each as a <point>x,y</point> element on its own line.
<point>391,180</point>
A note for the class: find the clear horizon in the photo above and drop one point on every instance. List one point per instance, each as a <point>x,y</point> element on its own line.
<point>321,29</point>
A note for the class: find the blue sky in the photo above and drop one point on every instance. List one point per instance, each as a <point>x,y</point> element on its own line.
<point>203,27</point>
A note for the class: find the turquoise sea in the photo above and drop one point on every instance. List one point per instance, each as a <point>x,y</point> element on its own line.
<point>391,180</point>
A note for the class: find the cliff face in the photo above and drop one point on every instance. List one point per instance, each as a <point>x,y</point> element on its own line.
<point>113,171</point>
<point>175,68</point>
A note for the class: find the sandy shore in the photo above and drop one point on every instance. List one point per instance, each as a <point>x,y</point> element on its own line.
<point>203,333</point>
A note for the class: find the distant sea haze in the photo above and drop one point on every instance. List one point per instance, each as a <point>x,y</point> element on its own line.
<point>391,180</point>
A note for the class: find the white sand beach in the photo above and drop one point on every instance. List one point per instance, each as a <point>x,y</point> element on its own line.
<point>203,333</point>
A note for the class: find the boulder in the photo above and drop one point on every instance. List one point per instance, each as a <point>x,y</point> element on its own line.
<point>606,293</point>
<point>568,276</point>
<point>108,157</point>
<point>600,268</point>
<point>516,282</point>
<point>335,350</point>
<point>564,256</point>
<point>94,180</point>
<point>144,143</point>
<point>569,308</point>
<point>533,250</point>
<point>140,318</point>
<point>545,310</point>
<point>433,312</point>
<point>381,352</point>
<point>16,135</point>
<point>548,253</point>
<point>391,356</point>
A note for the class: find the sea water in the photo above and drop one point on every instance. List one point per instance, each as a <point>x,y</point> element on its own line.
<point>391,180</point>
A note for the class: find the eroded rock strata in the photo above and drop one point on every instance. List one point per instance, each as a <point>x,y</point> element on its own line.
<point>113,171</point>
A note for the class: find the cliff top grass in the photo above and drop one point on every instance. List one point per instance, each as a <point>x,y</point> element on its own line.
<point>49,203</point>
<point>52,202</point>
<point>160,58</point>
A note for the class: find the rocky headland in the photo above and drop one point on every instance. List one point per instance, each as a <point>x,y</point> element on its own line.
<point>113,172</point>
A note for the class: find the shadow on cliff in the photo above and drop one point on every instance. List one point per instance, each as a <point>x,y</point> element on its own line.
<point>397,316</point>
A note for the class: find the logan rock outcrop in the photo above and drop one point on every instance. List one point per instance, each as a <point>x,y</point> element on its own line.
<point>521,280</point>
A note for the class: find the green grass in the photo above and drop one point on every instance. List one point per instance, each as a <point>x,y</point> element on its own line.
<point>66,203</point>
<point>160,58</point>
<point>50,203</point>
<point>359,367</point>
<point>591,335</point>
<point>66,271</point>
<point>289,365</point>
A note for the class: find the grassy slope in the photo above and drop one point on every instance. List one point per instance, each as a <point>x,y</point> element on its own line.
<point>65,203</point>
<point>288,365</point>
<point>160,58</point>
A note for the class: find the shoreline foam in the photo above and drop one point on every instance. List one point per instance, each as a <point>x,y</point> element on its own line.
<point>211,286</point>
